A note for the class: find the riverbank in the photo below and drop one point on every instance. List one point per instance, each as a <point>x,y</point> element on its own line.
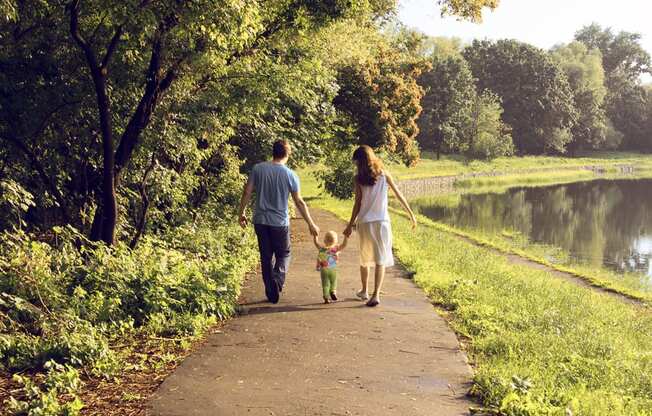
<point>485,221</point>
<point>538,344</point>
<point>451,165</point>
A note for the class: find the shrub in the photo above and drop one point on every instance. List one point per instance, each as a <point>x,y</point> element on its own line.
<point>35,401</point>
<point>489,137</point>
<point>337,177</point>
<point>61,305</point>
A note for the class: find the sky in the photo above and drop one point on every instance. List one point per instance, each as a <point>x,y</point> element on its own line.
<point>543,23</point>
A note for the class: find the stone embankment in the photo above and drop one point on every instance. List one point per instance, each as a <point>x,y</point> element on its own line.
<point>437,185</point>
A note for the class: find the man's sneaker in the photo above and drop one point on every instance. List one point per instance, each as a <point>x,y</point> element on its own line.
<point>272,292</point>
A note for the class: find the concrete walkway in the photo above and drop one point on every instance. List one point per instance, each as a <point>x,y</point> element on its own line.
<point>301,357</point>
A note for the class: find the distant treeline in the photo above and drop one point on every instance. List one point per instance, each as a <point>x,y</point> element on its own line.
<point>496,97</point>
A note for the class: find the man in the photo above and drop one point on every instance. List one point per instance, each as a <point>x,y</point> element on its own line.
<point>273,183</point>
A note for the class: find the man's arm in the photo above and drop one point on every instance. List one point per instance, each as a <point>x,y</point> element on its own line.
<point>356,210</point>
<point>244,201</point>
<point>303,209</point>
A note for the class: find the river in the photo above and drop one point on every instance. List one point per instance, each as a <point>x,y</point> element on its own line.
<point>600,222</point>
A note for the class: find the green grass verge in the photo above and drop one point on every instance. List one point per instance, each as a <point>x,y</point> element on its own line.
<point>539,345</point>
<point>429,166</point>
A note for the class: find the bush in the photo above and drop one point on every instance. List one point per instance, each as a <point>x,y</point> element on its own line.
<point>63,305</point>
<point>489,137</point>
<point>59,380</point>
<point>337,177</point>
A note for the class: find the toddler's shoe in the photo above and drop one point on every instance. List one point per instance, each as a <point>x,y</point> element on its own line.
<point>333,296</point>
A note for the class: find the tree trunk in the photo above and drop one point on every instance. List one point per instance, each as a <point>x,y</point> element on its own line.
<point>104,225</point>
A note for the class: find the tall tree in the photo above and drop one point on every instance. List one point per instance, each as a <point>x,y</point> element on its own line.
<point>134,52</point>
<point>583,68</point>
<point>536,96</point>
<point>624,60</point>
<point>380,102</point>
<point>449,95</point>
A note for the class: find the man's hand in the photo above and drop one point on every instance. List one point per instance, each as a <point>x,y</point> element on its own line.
<point>243,221</point>
<point>348,230</point>
<point>314,230</point>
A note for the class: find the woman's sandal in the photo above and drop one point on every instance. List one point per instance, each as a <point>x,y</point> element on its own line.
<point>362,295</point>
<point>373,302</point>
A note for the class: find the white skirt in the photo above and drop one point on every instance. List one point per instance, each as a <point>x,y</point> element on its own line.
<point>375,244</point>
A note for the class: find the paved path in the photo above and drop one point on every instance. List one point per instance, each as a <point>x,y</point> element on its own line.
<point>301,357</point>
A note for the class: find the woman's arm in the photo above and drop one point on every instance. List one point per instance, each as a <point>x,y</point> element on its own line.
<point>356,209</point>
<point>344,242</point>
<point>402,199</point>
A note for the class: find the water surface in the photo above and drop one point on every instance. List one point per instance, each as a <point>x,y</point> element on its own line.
<point>601,222</point>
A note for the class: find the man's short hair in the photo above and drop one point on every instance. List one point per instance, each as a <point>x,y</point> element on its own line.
<point>281,149</point>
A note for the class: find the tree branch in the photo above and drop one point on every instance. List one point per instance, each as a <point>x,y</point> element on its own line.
<point>74,31</point>
<point>111,48</point>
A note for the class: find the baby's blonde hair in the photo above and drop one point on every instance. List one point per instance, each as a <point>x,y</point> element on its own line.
<point>330,238</point>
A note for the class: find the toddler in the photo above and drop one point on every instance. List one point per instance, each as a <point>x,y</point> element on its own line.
<point>327,264</point>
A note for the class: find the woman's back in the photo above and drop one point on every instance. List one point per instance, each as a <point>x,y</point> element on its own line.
<point>373,206</point>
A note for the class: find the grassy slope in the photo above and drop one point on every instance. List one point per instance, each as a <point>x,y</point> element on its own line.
<point>539,344</point>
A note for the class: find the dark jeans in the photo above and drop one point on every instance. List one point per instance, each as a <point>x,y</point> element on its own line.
<point>273,242</point>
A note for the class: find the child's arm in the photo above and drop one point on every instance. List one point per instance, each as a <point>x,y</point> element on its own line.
<point>402,199</point>
<point>314,240</point>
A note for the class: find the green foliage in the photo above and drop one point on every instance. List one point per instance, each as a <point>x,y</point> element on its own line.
<point>488,137</point>
<point>467,9</point>
<point>380,102</point>
<point>624,60</point>
<point>60,380</point>
<point>337,176</point>
<point>583,68</point>
<point>534,90</point>
<point>448,101</point>
<point>61,304</point>
<point>15,201</point>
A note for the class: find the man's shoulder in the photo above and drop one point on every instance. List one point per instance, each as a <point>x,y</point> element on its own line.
<point>260,165</point>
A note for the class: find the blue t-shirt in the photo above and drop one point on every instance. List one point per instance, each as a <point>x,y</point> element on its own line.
<point>273,184</point>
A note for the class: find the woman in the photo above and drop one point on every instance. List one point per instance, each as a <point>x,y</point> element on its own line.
<point>370,212</point>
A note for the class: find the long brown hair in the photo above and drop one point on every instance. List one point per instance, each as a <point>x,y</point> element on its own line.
<point>369,166</point>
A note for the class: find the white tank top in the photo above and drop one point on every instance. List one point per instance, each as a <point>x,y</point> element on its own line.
<point>373,206</point>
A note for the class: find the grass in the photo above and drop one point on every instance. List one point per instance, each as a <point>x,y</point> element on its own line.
<point>448,165</point>
<point>539,345</point>
<point>627,284</point>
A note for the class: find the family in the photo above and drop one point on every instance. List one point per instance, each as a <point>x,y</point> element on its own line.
<point>273,183</point>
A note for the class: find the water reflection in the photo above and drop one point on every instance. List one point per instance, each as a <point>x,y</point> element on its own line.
<point>598,222</point>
